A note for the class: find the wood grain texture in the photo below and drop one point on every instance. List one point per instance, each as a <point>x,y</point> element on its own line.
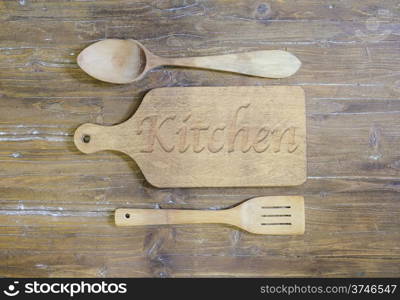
<point>57,204</point>
<point>243,136</point>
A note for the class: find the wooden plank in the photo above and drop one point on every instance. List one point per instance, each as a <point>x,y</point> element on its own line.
<point>337,65</point>
<point>367,126</point>
<point>332,236</point>
<point>174,10</point>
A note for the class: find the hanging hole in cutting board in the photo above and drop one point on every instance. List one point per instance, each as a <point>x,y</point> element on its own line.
<point>86,138</point>
<point>127,216</point>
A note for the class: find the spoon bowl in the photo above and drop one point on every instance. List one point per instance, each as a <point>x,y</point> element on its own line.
<point>114,60</point>
<point>125,61</point>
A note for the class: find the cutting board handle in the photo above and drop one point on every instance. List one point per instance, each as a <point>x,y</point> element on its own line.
<point>90,138</point>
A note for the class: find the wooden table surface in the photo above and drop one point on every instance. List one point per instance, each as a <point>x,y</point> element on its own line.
<point>56,213</point>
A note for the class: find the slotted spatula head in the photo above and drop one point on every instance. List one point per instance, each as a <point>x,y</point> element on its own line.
<point>276,215</point>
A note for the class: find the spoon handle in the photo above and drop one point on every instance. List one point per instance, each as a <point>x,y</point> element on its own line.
<point>136,217</point>
<point>267,63</point>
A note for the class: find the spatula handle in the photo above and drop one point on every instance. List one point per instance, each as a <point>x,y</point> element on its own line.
<point>136,217</point>
<point>267,63</point>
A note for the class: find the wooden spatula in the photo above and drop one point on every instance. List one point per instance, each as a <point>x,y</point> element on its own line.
<point>211,136</point>
<point>275,215</point>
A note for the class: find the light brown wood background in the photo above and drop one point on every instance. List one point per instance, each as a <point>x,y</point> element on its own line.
<point>57,203</point>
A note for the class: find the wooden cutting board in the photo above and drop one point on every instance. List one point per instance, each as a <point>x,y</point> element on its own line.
<point>211,136</point>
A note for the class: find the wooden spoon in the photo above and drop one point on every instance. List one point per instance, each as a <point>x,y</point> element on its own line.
<point>125,61</point>
<point>275,215</point>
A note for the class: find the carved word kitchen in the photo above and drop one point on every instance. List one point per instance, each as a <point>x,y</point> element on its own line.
<point>230,136</point>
